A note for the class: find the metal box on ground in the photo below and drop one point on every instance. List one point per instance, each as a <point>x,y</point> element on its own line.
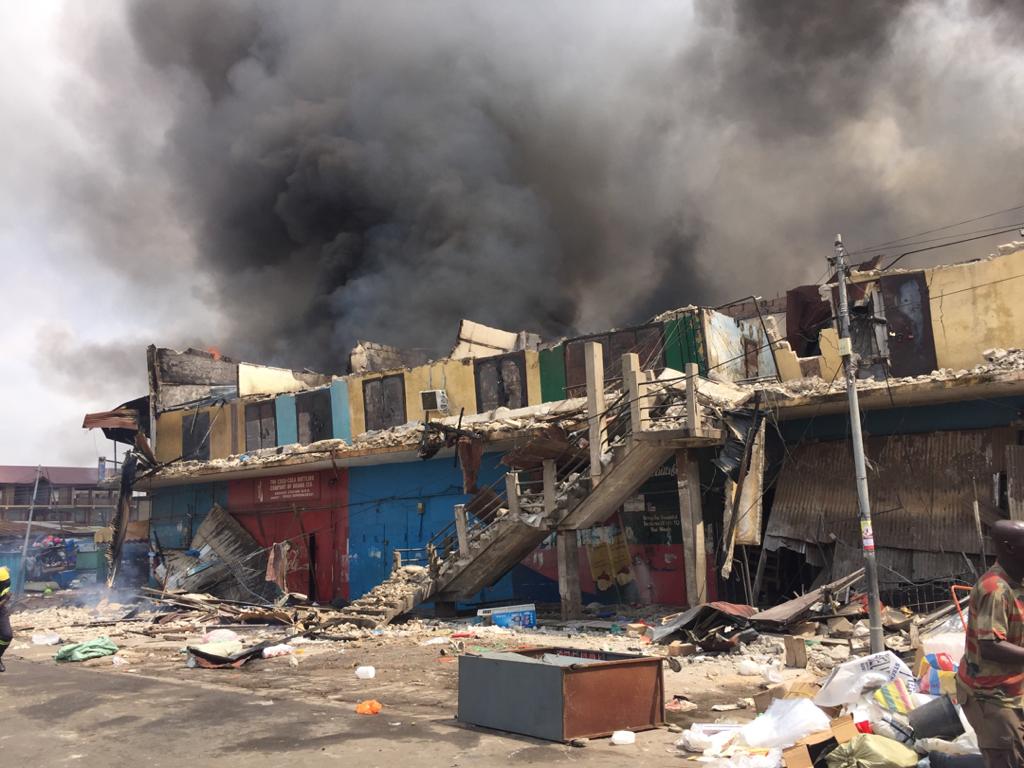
<point>561,694</point>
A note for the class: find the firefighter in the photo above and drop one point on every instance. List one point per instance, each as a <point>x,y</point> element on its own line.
<point>6,635</point>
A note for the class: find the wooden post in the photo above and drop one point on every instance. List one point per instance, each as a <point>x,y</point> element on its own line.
<point>691,516</point>
<point>550,492</point>
<point>396,560</point>
<point>569,575</point>
<point>592,352</point>
<point>460,530</point>
<point>512,492</point>
<point>693,422</point>
<point>633,384</point>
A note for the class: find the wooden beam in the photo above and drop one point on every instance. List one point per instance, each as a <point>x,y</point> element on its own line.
<point>592,352</point>
<point>693,420</point>
<point>691,517</point>
<point>512,492</point>
<point>632,381</point>
<point>569,575</point>
<point>460,530</point>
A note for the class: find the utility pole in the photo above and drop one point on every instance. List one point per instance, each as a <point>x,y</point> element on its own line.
<point>28,527</point>
<point>838,262</point>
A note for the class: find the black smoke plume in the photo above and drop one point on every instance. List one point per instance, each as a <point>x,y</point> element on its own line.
<point>342,170</point>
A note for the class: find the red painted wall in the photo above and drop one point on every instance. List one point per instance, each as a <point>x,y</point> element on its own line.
<point>309,510</point>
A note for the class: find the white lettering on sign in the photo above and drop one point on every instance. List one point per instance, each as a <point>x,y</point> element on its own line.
<point>288,488</point>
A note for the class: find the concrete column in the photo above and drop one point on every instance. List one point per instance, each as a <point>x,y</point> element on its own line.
<point>550,492</point>
<point>692,520</point>
<point>569,575</point>
<point>512,492</point>
<point>632,381</point>
<point>460,530</point>
<point>598,437</point>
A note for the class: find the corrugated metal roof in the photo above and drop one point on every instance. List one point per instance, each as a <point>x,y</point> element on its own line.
<point>921,490</point>
<point>80,476</point>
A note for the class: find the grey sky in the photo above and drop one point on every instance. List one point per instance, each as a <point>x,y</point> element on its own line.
<point>277,179</point>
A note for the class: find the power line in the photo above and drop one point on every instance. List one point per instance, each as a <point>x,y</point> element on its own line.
<point>889,243</point>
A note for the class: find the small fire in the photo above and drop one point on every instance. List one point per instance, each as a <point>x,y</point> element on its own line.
<point>214,351</point>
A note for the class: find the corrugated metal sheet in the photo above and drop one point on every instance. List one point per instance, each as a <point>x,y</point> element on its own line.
<point>921,490</point>
<point>1015,481</point>
<point>898,566</point>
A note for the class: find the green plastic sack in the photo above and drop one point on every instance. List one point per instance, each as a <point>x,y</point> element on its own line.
<point>868,750</point>
<point>90,649</point>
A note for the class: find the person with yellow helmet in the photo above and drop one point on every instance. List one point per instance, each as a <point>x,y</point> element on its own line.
<point>6,635</point>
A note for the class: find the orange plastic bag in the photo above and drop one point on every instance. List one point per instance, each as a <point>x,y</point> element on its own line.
<point>369,707</point>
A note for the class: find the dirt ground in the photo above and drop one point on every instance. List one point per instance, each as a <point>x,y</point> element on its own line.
<point>416,669</point>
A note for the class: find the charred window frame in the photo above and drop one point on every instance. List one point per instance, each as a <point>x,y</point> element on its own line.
<point>260,426</point>
<point>384,402</point>
<point>195,436</point>
<point>501,382</point>
<point>313,416</point>
<point>645,341</point>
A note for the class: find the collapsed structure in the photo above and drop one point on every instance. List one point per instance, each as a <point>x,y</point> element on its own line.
<point>698,456</point>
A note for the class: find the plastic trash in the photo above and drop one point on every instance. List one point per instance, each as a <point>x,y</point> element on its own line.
<point>848,681</point>
<point>750,668</point>
<point>366,673</point>
<point>870,751</point>
<point>221,636</point>
<point>282,649</point>
<point>623,738</point>
<point>369,707</point>
<point>937,719</point>
<point>436,641</point>
<point>90,649</point>
<point>119,661</point>
<point>784,723</point>
<point>693,740</point>
<point>46,638</point>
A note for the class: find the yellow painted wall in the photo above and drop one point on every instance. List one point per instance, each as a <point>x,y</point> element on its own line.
<point>453,376</point>
<point>831,361</point>
<point>168,435</point>
<point>976,307</point>
<point>533,396</point>
<point>168,431</point>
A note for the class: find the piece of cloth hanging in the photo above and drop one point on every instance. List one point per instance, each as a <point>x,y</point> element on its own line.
<point>277,566</point>
<point>470,452</point>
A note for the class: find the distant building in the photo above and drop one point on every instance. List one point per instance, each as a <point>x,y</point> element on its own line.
<point>66,494</point>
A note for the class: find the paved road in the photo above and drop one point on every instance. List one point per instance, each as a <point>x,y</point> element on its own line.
<point>65,715</point>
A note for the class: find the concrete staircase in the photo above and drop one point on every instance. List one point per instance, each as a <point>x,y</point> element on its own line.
<point>507,521</point>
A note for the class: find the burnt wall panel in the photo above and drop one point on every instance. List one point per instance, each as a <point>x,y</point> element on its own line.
<point>909,319</point>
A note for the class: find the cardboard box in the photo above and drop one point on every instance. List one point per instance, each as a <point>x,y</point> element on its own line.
<point>796,651</point>
<point>514,616</point>
<point>679,648</point>
<point>807,751</point>
<point>796,689</point>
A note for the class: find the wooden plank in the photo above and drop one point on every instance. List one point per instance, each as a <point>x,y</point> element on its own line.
<point>631,381</point>
<point>595,408</point>
<point>691,518</point>
<point>693,420</point>
<point>550,490</point>
<point>460,530</point>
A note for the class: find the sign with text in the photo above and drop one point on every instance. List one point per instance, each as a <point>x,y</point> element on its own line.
<point>289,488</point>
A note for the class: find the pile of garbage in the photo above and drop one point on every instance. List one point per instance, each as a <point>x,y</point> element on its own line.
<point>870,711</point>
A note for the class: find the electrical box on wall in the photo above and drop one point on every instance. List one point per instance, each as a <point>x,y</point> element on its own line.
<point>434,400</point>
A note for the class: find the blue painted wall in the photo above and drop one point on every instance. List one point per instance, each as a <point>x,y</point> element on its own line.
<point>970,414</point>
<point>287,420</point>
<point>178,511</point>
<point>384,515</point>
<point>340,421</point>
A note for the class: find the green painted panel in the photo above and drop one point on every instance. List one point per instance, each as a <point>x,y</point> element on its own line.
<point>552,374</point>
<point>684,343</point>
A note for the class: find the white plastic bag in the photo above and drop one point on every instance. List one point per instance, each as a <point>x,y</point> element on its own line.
<point>366,673</point>
<point>221,636</point>
<point>848,681</point>
<point>623,738</point>
<point>282,649</point>
<point>46,638</point>
<point>784,723</point>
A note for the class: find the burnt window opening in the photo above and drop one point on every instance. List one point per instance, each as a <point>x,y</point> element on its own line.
<point>750,362</point>
<point>646,342</point>
<point>501,382</point>
<point>260,426</point>
<point>313,415</point>
<point>195,437</point>
<point>384,402</point>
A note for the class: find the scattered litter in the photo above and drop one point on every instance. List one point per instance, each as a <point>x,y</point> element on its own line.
<point>366,673</point>
<point>436,641</point>
<point>46,638</point>
<point>623,738</point>
<point>282,649</point>
<point>369,707</point>
<point>90,649</point>
<point>119,661</point>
